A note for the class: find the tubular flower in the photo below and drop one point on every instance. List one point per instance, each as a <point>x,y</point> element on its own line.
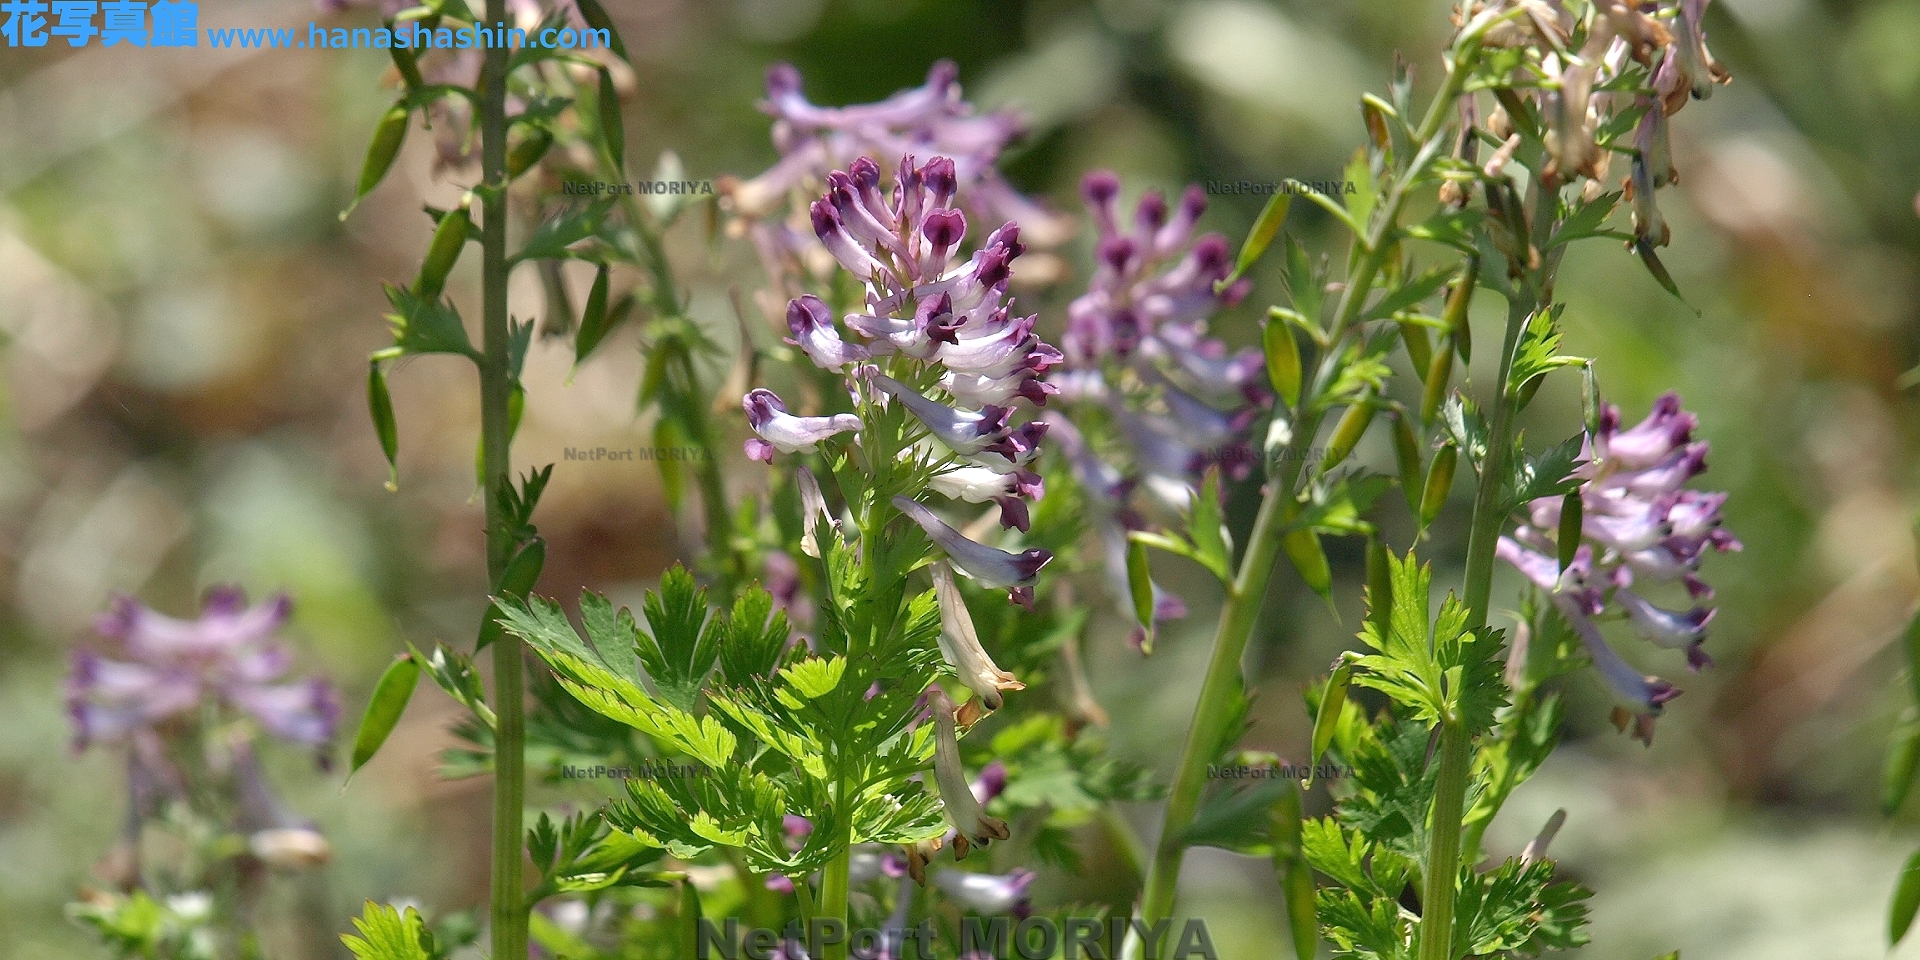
<point>991,566</point>
<point>782,431</point>
<point>987,894</point>
<point>927,120</point>
<point>964,810</point>
<point>173,667</point>
<point>1638,526</point>
<point>960,644</point>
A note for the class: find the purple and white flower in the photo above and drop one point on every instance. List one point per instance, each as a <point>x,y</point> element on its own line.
<point>173,667</point>
<point>1637,525</point>
<point>779,430</point>
<point>991,566</point>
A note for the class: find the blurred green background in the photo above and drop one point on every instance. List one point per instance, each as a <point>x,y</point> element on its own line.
<point>184,323</point>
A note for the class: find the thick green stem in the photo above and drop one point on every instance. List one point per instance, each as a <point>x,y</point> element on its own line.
<point>1224,684</point>
<point>1443,853</point>
<point>833,888</point>
<point>509,908</point>
<point>1489,519</point>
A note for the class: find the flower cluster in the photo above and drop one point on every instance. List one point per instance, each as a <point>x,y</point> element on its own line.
<point>1666,40</point>
<point>174,667</point>
<point>1138,356</point>
<point>1638,526</point>
<point>931,320</point>
<point>927,120</point>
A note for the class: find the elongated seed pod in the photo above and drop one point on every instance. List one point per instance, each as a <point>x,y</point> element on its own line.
<point>449,239</point>
<point>388,137</point>
<point>1347,433</point>
<point>389,700</point>
<point>1439,376</point>
<point>1283,359</point>
<point>1333,700</point>
<point>1439,484</point>
<point>516,581</point>
<point>1458,300</point>
<point>1406,450</point>
<point>528,151</point>
<point>1419,348</point>
<point>380,404</point>
<point>1572,522</point>
<point>1304,550</point>
<point>1379,586</point>
<point>1903,755</point>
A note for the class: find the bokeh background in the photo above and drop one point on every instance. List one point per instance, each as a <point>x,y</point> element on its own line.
<point>184,322</point>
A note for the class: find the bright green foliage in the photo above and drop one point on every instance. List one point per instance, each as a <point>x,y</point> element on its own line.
<point>776,729</point>
<point>387,933</point>
<point>1437,669</point>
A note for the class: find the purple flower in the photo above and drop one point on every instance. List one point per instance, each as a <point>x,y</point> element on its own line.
<point>991,566</point>
<point>780,430</point>
<point>1637,524</point>
<point>229,655</point>
<point>984,484</point>
<point>928,120</point>
<point>985,893</point>
<point>813,332</point>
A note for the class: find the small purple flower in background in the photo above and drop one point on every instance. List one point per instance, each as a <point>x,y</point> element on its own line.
<point>1639,527</point>
<point>173,666</point>
<point>1137,355</point>
<point>814,141</point>
<point>987,894</point>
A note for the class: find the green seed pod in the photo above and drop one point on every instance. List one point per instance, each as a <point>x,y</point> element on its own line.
<point>613,130</point>
<point>1406,450</point>
<point>1439,484</point>
<point>1903,755</point>
<point>388,137</point>
<point>1439,376</point>
<point>1419,348</point>
<point>528,151</point>
<point>449,239</point>
<point>1140,584</point>
<point>1283,826</point>
<point>1379,586</point>
<point>593,321</point>
<point>1906,900</point>
<point>1455,315</point>
<point>1347,433</point>
<point>1302,911</point>
<point>1333,700</point>
<point>1303,548</point>
<point>1572,521</point>
<point>1283,359</point>
<point>380,404</point>
<point>389,700</point>
<point>516,581</point>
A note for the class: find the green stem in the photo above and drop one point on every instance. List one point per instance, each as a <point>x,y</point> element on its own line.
<point>1442,876</point>
<point>1489,519</point>
<point>509,908</point>
<point>833,886</point>
<point>1224,684</point>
